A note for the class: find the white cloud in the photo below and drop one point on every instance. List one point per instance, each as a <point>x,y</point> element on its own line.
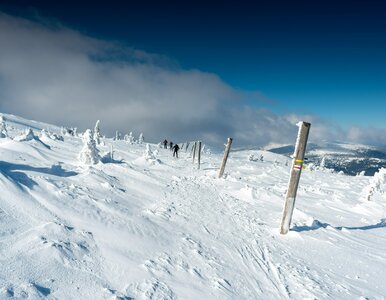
<point>58,75</point>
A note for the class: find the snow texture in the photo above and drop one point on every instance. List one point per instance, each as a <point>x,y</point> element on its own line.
<point>129,229</point>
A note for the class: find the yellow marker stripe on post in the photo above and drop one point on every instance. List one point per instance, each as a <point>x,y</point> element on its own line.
<point>299,160</point>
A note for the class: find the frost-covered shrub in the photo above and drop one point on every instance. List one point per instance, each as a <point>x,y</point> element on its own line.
<point>89,154</point>
<point>97,133</point>
<point>141,139</point>
<point>28,135</point>
<point>3,127</point>
<point>261,157</point>
<point>376,183</point>
<point>251,157</point>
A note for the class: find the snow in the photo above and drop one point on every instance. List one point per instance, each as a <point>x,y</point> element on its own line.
<point>131,228</point>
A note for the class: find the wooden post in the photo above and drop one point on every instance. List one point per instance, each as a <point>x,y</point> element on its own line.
<point>187,146</point>
<point>199,154</point>
<point>224,160</point>
<point>111,152</point>
<point>296,170</point>
<point>194,150</point>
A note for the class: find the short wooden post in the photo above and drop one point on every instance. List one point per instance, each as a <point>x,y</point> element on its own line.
<point>224,160</point>
<point>194,151</point>
<point>296,170</point>
<point>199,154</point>
<point>111,152</point>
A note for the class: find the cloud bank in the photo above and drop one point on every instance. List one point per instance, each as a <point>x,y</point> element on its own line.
<point>58,75</point>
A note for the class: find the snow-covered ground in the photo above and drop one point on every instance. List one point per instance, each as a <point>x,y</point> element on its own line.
<point>164,229</point>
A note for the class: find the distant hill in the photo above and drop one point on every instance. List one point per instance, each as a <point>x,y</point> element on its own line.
<point>349,158</point>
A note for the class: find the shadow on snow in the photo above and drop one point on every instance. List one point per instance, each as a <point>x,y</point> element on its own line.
<point>317,225</point>
<point>14,172</point>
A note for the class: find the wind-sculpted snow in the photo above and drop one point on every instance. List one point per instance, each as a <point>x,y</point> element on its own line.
<point>145,225</point>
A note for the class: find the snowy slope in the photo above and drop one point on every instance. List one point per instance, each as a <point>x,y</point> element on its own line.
<point>162,229</point>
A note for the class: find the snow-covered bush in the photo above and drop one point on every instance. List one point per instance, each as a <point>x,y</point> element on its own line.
<point>28,135</point>
<point>68,131</point>
<point>376,183</point>
<point>97,133</point>
<point>251,157</point>
<point>89,154</point>
<point>44,135</point>
<point>141,139</point>
<point>3,127</point>
<point>261,157</point>
<point>57,137</point>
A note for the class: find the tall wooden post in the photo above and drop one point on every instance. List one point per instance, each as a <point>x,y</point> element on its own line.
<point>187,145</point>
<point>296,170</point>
<point>224,160</point>
<point>199,154</point>
<point>194,151</point>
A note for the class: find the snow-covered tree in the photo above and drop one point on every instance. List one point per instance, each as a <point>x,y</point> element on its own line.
<point>141,139</point>
<point>28,135</point>
<point>97,133</point>
<point>376,183</point>
<point>131,138</point>
<point>117,136</point>
<point>89,154</point>
<point>44,135</point>
<point>148,154</point>
<point>3,127</point>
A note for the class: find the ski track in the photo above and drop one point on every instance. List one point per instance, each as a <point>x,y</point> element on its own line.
<point>252,253</point>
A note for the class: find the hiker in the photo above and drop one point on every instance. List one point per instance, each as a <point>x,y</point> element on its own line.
<point>171,146</point>
<point>175,150</point>
<point>165,142</point>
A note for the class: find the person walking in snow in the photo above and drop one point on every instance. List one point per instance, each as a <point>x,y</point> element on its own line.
<point>175,150</point>
<point>165,144</point>
<point>171,145</point>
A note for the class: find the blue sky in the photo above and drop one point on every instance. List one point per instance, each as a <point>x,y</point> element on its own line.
<point>322,58</point>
